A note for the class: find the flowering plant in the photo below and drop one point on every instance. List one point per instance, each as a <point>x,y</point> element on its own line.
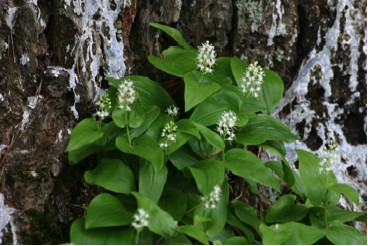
<point>168,179</point>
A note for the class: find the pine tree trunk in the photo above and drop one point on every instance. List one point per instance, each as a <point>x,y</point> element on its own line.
<point>54,55</point>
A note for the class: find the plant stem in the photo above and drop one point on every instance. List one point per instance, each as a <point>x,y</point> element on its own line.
<point>137,237</point>
<point>127,128</point>
<point>325,210</point>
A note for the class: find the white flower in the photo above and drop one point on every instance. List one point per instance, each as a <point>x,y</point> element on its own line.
<point>126,95</point>
<point>206,57</point>
<point>164,145</point>
<point>169,131</point>
<point>329,156</point>
<point>104,106</point>
<point>140,219</point>
<point>226,124</point>
<point>252,80</point>
<point>173,111</point>
<point>213,199</point>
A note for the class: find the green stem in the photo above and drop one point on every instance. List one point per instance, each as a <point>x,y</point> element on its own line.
<point>325,210</point>
<point>127,129</point>
<point>137,237</point>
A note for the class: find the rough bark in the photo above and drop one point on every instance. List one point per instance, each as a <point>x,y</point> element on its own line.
<point>55,54</point>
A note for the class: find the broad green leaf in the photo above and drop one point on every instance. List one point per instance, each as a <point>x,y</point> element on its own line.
<point>212,137</point>
<point>209,111</point>
<point>238,68</point>
<point>245,164</point>
<point>246,214</point>
<point>347,191</point>
<point>106,210</point>
<point>181,139</point>
<point>75,156</point>
<point>152,181</point>
<point>149,92</point>
<point>135,117</point>
<point>174,202</point>
<point>233,220</point>
<point>143,146</point>
<point>198,87</point>
<point>270,95</point>
<point>222,73</point>
<point>291,233</point>
<point>203,148</point>
<point>187,127</point>
<point>314,181</point>
<point>151,115</point>
<point>84,133</point>
<point>207,174</point>
<point>173,33</point>
<point>339,233</point>
<point>113,175</point>
<point>178,239</point>
<point>336,213</point>
<point>115,236</point>
<point>236,241</point>
<point>175,61</point>
<point>194,232</point>
<point>183,157</point>
<point>160,222</point>
<point>261,128</point>
<point>284,210</point>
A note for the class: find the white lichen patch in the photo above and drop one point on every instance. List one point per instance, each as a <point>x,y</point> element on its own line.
<point>5,219</point>
<point>25,120</point>
<point>278,27</point>
<point>9,17</point>
<point>2,98</point>
<point>24,59</point>
<point>317,70</point>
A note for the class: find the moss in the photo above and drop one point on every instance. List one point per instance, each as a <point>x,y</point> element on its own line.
<point>253,8</point>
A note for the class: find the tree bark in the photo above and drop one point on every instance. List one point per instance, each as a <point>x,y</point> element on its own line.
<point>54,56</point>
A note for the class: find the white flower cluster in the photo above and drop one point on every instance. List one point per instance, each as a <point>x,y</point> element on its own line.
<point>206,57</point>
<point>104,106</point>
<point>172,111</point>
<point>226,125</point>
<point>213,199</point>
<point>252,80</point>
<point>329,156</point>
<point>126,95</point>
<point>140,219</point>
<point>169,132</point>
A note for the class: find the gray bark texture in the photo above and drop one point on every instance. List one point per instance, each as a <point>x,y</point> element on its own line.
<point>54,55</point>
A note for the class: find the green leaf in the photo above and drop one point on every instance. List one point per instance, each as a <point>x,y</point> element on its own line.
<point>194,232</point>
<point>75,156</point>
<point>292,233</point>
<point>183,157</point>
<point>347,191</point>
<point>233,220</point>
<point>106,210</point>
<point>261,128</point>
<point>246,214</point>
<point>86,132</point>
<point>135,117</point>
<point>152,181</point>
<point>113,175</point>
<point>160,222</point>
<point>245,164</point>
<point>236,241</point>
<point>175,61</point>
<point>115,236</point>
<point>187,127</point>
<point>119,117</point>
<point>314,182</point>
<point>284,210</point>
<point>174,202</point>
<point>207,174</point>
<point>143,146</point>
<point>209,111</point>
<point>212,137</point>
<point>178,239</point>
<point>238,68</point>
<point>181,139</point>
<point>336,213</point>
<point>151,115</point>
<point>173,33</point>
<point>198,87</point>
<point>270,95</point>
<point>339,233</point>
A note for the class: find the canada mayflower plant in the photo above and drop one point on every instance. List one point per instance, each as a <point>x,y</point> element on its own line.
<point>166,178</point>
